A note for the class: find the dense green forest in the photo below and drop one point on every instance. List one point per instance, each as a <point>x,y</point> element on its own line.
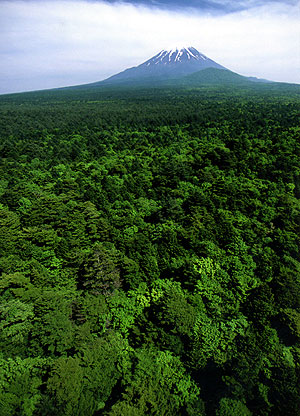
<point>149,243</point>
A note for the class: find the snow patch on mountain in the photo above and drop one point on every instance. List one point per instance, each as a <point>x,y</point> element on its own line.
<point>176,55</point>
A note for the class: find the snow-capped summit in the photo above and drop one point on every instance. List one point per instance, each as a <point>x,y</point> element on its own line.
<point>167,64</point>
<point>188,58</point>
<point>168,57</point>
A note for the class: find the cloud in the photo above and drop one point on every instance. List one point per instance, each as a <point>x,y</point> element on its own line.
<point>222,6</point>
<point>46,44</point>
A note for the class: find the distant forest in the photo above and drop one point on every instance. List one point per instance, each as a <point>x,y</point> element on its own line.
<point>149,243</point>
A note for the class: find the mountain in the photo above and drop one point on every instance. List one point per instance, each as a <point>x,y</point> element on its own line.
<point>185,66</point>
<point>167,64</point>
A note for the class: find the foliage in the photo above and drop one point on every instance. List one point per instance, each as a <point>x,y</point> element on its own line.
<point>149,252</point>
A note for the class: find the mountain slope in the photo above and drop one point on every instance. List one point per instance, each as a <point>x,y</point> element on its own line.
<point>175,63</point>
<point>216,76</point>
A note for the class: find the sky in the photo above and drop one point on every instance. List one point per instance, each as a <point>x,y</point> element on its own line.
<point>48,44</point>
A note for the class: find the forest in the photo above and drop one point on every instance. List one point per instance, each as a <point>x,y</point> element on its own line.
<point>149,252</point>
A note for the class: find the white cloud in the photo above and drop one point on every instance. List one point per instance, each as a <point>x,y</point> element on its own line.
<point>50,44</point>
